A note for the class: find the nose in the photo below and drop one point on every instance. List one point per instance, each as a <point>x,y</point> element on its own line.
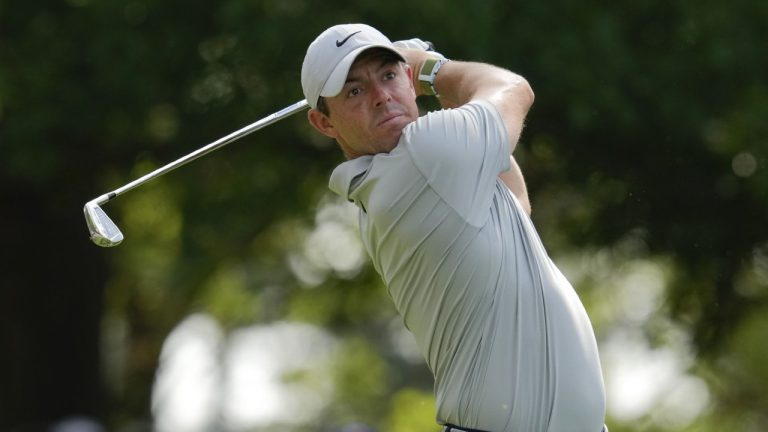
<point>380,94</point>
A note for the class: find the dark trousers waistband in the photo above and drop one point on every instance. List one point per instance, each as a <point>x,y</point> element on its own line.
<point>451,428</point>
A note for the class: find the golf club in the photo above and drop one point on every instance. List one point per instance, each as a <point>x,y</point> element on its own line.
<point>105,233</point>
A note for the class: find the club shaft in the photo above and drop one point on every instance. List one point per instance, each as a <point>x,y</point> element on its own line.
<point>266,121</point>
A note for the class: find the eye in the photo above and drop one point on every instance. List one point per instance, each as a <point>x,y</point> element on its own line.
<point>390,75</point>
<point>354,91</point>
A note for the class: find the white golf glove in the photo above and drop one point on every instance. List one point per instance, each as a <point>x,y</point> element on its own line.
<point>417,44</point>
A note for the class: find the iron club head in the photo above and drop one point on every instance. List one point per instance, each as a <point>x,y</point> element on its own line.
<point>104,232</point>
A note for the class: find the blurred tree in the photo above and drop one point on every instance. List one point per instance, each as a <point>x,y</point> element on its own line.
<point>649,123</point>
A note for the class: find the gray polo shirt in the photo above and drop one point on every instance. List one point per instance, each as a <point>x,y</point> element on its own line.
<point>504,333</point>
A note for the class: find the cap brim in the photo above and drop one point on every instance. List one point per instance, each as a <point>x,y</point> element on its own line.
<point>338,77</point>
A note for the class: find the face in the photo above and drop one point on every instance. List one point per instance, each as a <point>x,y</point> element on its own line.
<point>377,101</point>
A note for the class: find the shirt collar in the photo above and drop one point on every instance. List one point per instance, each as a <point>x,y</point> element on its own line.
<point>344,174</point>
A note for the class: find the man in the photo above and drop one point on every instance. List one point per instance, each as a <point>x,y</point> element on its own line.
<point>444,215</point>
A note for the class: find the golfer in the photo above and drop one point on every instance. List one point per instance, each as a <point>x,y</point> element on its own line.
<point>444,216</point>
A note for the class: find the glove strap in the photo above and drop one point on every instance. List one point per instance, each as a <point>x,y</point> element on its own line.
<point>428,73</point>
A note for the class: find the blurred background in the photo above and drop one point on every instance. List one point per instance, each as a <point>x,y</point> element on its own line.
<point>242,299</point>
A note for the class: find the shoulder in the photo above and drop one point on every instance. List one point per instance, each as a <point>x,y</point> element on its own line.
<point>345,176</point>
<point>454,131</point>
<point>472,112</point>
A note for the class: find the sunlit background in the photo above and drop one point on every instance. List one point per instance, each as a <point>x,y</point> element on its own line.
<point>242,300</point>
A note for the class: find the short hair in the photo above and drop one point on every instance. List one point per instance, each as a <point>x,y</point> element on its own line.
<point>322,106</point>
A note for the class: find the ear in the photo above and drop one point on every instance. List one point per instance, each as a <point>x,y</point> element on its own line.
<point>322,123</point>
<point>409,71</point>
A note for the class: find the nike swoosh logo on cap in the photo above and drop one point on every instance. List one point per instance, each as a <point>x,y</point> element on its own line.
<point>340,43</point>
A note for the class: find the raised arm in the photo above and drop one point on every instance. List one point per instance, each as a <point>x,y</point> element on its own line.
<point>516,184</point>
<point>459,82</point>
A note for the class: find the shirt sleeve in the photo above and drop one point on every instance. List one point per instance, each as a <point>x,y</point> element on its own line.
<point>461,152</point>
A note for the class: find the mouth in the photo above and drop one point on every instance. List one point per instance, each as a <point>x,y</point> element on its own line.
<point>389,118</point>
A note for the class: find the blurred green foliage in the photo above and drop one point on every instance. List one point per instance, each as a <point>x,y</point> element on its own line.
<point>646,144</point>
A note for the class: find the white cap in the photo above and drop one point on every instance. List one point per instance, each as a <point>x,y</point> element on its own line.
<point>330,56</point>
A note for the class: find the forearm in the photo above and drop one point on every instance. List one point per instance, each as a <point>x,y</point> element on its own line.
<point>461,82</point>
